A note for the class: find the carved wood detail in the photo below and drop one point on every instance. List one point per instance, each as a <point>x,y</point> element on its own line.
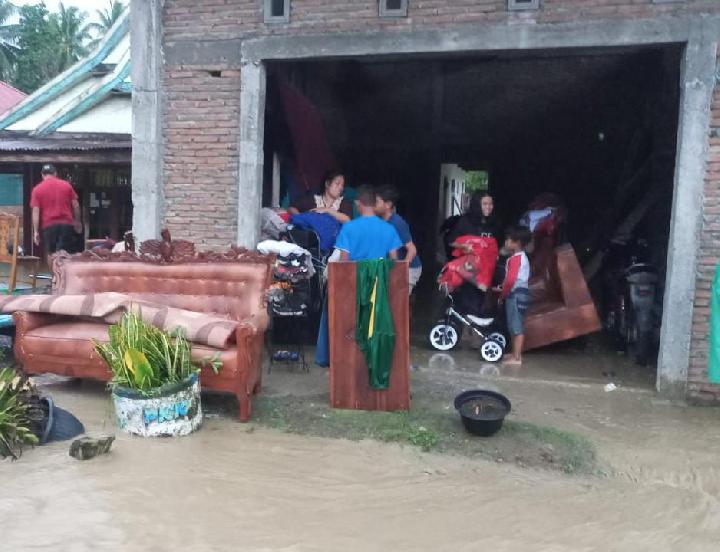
<point>162,252</point>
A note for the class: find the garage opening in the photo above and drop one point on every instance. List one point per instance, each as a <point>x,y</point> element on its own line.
<point>596,128</point>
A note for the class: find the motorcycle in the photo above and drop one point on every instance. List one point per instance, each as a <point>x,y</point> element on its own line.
<point>631,293</point>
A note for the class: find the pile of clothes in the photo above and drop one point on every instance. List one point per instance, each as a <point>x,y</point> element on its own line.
<point>289,295</point>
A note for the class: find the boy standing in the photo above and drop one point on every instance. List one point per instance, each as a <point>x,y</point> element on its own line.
<point>515,290</point>
<point>367,237</point>
<point>387,197</point>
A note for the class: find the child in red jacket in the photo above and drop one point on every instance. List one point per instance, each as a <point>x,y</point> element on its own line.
<point>514,290</point>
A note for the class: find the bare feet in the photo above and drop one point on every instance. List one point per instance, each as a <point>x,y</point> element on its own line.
<point>509,360</point>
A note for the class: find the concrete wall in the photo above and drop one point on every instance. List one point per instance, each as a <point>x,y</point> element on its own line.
<point>203,180</point>
<point>147,122</point>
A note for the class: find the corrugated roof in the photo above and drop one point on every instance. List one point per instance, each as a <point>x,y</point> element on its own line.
<point>9,96</point>
<point>8,143</point>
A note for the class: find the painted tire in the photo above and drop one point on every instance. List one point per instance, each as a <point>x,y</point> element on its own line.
<point>172,411</point>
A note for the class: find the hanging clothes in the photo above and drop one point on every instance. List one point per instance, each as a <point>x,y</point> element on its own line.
<point>313,154</point>
<point>375,330</point>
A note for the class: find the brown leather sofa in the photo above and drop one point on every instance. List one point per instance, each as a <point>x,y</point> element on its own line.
<point>232,284</point>
<point>561,306</point>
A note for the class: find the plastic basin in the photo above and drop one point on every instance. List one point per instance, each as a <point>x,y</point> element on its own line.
<point>482,412</point>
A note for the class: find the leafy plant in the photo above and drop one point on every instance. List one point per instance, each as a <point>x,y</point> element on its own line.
<point>144,357</point>
<point>20,413</point>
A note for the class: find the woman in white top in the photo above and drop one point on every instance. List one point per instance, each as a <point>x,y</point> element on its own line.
<point>329,201</point>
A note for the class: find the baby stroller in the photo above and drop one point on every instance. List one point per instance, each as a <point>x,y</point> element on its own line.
<point>465,280</point>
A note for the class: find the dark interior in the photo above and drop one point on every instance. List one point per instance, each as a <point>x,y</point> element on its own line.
<point>597,127</point>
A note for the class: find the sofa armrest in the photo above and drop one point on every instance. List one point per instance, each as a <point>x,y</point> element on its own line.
<point>250,340</point>
<point>28,321</point>
<point>253,325</point>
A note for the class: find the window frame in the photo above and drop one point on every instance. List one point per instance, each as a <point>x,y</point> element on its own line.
<point>270,18</point>
<point>532,5</point>
<point>383,10</point>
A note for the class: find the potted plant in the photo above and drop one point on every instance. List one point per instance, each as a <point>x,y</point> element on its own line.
<point>155,386</point>
<point>21,416</point>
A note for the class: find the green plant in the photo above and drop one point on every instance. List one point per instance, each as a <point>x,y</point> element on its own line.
<point>20,413</point>
<point>144,357</point>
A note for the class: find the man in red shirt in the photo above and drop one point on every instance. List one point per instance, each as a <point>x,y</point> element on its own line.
<point>55,212</point>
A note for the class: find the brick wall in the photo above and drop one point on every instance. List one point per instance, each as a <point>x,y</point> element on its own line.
<point>202,110</point>
<point>233,18</point>
<point>201,154</point>
<point>699,389</point>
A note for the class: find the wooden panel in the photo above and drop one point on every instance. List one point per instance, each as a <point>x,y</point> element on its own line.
<point>349,387</point>
<point>560,325</point>
<point>573,286</point>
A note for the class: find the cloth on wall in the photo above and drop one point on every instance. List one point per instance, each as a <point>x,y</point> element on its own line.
<point>313,156</point>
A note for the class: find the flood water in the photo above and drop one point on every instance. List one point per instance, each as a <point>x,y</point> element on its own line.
<point>237,487</point>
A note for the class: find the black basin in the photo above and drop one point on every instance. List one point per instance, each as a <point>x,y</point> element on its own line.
<point>482,411</point>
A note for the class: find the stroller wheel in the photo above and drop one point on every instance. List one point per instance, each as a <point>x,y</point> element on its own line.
<point>499,338</point>
<point>444,336</point>
<point>491,351</point>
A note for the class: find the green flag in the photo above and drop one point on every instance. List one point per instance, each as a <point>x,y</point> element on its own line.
<point>374,329</point>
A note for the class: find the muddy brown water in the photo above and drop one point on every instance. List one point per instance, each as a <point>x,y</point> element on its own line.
<point>238,487</point>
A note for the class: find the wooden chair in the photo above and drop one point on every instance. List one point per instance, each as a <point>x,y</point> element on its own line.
<point>10,234</point>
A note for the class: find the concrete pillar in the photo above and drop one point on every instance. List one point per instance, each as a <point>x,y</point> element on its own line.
<point>252,136</point>
<point>697,83</point>
<point>147,141</point>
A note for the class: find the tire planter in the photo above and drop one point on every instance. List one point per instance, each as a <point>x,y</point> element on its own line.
<point>168,411</point>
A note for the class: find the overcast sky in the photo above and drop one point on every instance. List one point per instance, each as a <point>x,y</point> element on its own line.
<point>88,6</point>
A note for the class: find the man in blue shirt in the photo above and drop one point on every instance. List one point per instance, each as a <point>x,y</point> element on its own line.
<point>363,238</point>
<point>368,236</point>
<point>387,197</point>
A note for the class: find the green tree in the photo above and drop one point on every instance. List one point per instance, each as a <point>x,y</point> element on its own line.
<point>106,19</point>
<point>476,181</point>
<point>73,34</point>
<point>48,43</point>
<point>37,60</point>
<point>8,40</point>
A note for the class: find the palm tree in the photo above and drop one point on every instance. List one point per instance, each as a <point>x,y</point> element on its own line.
<point>73,34</point>
<point>106,19</point>
<point>8,39</point>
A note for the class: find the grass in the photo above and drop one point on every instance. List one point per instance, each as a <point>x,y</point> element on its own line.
<point>430,426</point>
